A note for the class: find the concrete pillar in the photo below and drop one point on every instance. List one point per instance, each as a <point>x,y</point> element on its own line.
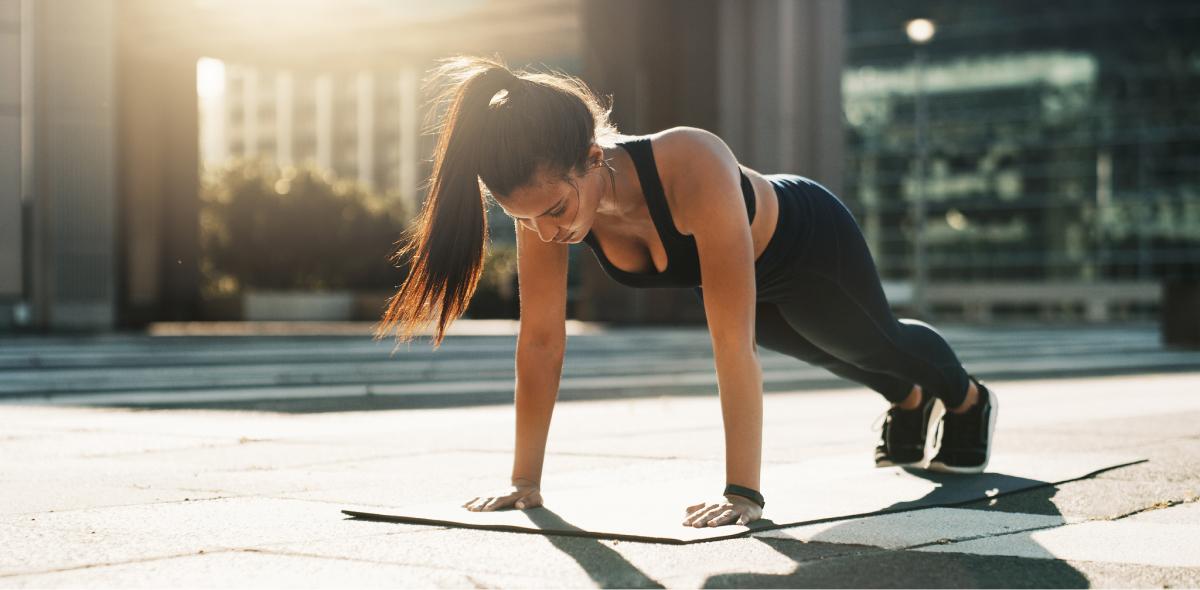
<point>69,151</point>
<point>158,176</point>
<point>780,93</point>
<point>160,189</point>
<point>765,75</point>
<point>12,251</point>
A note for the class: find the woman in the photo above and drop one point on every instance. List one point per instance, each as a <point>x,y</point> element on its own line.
<point>775,259</point>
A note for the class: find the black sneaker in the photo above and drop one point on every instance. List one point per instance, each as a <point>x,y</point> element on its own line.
<point>966,442</point>
<point>904,432</point>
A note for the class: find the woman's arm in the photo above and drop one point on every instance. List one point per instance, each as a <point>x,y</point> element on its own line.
<point>706,171</point>
<point>539,368</point>
<point>541,344</point>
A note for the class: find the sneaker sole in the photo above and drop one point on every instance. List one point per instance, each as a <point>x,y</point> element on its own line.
<point>894,464</point>
<point>942,467</point>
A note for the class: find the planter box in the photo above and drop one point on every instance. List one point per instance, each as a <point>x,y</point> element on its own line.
<point>259,306</point>
<point>1180,319</point>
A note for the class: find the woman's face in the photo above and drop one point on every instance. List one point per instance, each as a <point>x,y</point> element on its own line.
<point>557,210</point>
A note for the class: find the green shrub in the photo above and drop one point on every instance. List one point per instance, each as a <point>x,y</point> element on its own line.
<point>496,294</point>
<point>298,229</point>
<point>295,229</point>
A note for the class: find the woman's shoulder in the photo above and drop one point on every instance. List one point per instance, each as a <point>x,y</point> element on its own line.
<point>688,151</point>
<point>670,140</point>
<point>688,158</point>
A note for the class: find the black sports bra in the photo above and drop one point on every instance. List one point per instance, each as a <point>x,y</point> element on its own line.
<point>683,260</point>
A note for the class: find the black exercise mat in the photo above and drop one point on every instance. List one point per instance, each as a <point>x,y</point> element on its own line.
<point>818,490</point>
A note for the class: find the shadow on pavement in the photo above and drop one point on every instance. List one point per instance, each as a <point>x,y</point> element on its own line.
<point>862,566</point>
<point>606,567</point>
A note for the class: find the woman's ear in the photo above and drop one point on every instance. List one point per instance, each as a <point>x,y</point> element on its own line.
<point>595,156</point>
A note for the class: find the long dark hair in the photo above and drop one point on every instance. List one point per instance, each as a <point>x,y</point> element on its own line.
<point>498,128</point>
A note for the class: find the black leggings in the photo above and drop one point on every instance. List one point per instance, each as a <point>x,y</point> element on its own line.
<point>819,300</point>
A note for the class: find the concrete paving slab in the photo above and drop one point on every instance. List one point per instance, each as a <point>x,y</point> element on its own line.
<point>30,548</point>
<point>391,483</point>
<point>1166,426</point>
<point>583,445</point>
<point>30,496</point>
<point>417,429</point>
<point>394,474</point>
<point>917,527</point>
<point>1048,439</point>
<point>249,455</point>
<point>1076,402</point>
<point>606,563</point>
<point>86,443</point>
<point>256,569</point>
<point>1121,541</point>
<point>184,527</point>
<point>1093,498</point>
<point>916,569</point>
<point>1172,462</point>
<point>483,554</point>
<point>1187,513</point>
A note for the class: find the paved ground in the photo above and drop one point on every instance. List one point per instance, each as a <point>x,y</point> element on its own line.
<point>177,477</point>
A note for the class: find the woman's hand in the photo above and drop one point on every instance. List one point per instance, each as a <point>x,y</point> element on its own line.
<point>731,509</point>
<point>521,495</point>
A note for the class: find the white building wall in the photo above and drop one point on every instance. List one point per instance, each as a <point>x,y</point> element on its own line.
<point>365,134</point>
<point>284,99</point>
<point>324,123</point>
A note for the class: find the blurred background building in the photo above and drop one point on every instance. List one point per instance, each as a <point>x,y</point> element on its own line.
<point>362,125</point>
<point>1060,141</point>
<point>1012,160</point>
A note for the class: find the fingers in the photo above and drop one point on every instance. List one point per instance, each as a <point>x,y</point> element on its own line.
<point>717,514</point>
<point>726,517</point>
<point>484,504</point>
<point>701,517</point>
<point>492,503</point>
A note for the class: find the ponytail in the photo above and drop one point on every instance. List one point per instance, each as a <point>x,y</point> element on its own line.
<point>541,119</point>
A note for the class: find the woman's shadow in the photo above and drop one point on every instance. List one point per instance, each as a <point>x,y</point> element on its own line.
<point>827,559</point>
<point>604,565</point>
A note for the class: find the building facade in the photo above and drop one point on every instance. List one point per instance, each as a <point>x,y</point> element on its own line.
<point>100,142</point>
<point>1060,142</point>
<point>359,125</point>
<point>762,74</point>
<point>58,180</point>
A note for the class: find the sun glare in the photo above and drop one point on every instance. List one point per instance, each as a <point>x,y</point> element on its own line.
<point>210,77</point>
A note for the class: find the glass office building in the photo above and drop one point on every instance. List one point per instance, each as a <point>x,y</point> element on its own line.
<point>1061,139</point>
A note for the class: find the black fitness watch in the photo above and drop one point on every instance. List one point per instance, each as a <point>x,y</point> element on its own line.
<point>747,493</point>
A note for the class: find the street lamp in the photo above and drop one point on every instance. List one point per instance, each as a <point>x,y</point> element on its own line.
<point>920,31</point>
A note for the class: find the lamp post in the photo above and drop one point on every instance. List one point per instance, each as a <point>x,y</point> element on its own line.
<point>920,31</point>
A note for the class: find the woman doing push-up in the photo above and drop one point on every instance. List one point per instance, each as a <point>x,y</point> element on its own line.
<point>776,259</point>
